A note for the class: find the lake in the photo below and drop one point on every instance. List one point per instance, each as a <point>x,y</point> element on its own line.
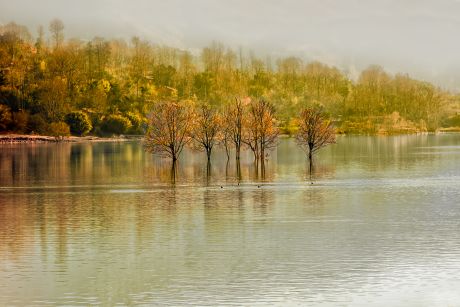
<point>107,223</point>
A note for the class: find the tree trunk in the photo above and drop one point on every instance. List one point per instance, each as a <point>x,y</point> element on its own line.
<point>238,171</point>
<point>256,156</point>
<point>208,172</point>
<point>226,169</point>
<point>173,172</point>
<point>262,156</point>
<point>227,151</point>
<point>262,170</point>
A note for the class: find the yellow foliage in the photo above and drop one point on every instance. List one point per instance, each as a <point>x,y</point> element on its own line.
<point>42,65</point>
<point>104,85</point>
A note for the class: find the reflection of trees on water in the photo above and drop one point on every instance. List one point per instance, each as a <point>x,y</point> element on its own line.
<point>320,171</point>
<point>16,231</point>
<point>102,163</point>
<point>238,171</point>
<point>377,154</point>
<point>89,164</point>
<point>263,200</point>
<point>67,163</point>
<point>57,223</point>
<point>227,167</point>
<point>208,173</point>
<point>82,213</point>
<point>313,202</point>
<point>173,172</point>
<point>34,163</point>
<point>191,168</point>
<point>230,207</point>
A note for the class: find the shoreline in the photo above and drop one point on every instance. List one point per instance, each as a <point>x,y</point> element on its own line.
<point>31,139</point>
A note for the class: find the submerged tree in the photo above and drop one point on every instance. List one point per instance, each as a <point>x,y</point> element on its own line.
<point>234,119</point>
<point>225,135</point>
<point>113,76</point>
<point>251,137</point>
<point>315,132</point>
<point>260,131</point>
<point>206,129</point>
<point>169,129</point>
<point>266,125</point>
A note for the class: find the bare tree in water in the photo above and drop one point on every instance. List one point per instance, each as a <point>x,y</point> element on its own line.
<point>225,134</point>
<point>268,131</point>
<point>261,132</point>
<point>234,119</point>
<point>315,132</point>
<point>205,129</point>
<point>169,129</point>
<point>251,137</point>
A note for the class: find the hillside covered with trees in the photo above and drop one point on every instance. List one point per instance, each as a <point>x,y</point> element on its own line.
<point>53,85</point>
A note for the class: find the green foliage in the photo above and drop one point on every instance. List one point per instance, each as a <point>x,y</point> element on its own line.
<point>79,123</point>
<point>37,125</point>
<point>116,124</point>
<point>5,117</point>
<point>129,78</point>
<point>138,123</point>
<point>95,118</point>
<point>52,98</point>
<point>19,121</point>
<point>452,121</point>
<point>59,129</point>
<point>163,75</point>
<point>289,128</point>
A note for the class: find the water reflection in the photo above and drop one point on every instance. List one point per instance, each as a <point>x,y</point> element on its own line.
<point>105,223</point>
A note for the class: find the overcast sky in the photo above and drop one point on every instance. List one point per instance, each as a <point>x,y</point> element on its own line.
<point>419,37</point>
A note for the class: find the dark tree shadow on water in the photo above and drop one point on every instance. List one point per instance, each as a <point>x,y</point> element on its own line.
<point>319,171</point>
<point>263,171</point>
<point>238,171</point>
<point>173,173</point>
<point>256,170</point>
<point>208,173</point>
<point>227,165</point>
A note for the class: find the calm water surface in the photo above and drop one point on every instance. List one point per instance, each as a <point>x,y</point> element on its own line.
<point>103,224</point>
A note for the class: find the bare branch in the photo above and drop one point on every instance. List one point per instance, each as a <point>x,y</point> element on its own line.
<point>169,129</point>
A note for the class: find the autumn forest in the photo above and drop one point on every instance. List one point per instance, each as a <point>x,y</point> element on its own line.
<point>53,85</point>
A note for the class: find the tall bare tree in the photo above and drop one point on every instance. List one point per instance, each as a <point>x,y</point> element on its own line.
<point>261,132</point>
<point>139,63</point>
<point>225,134</point>
<point>251,136</point>
<point>234,118</point>
<point>268,131</point>
<point>206,129</point>
<point>169,129</point>
<point>57,32</point>
<point>315,132</point>
<point>53,100</point>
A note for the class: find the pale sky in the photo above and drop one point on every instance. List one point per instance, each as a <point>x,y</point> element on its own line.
<point>420,37</point>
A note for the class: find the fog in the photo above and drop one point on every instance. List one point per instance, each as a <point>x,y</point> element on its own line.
<point>417,37</point>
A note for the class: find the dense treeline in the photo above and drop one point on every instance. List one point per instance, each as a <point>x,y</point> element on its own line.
<point>50,85</point>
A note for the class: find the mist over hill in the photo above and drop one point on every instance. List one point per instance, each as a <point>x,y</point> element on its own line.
<point>415,37</point>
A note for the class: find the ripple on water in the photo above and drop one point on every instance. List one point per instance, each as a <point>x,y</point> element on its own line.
<point>379,226</point>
